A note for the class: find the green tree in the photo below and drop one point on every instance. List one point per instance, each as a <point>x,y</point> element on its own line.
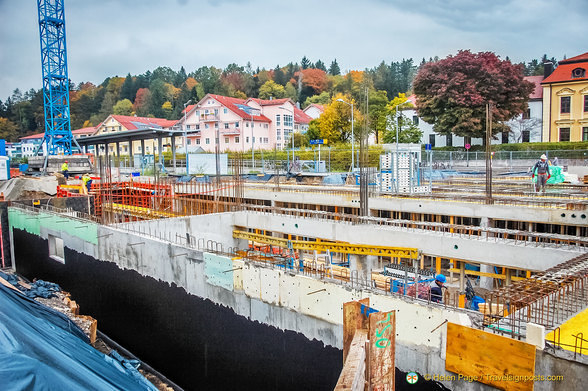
<point>322,99</point>
<point>271,89</point>
<point>167,109</point>
<point>279,76</point>
<point>291,92</point>
<point>378,113</point>
<point>123,107</point>
<point>452,93</point>
<point>305,63</point>
<point>320,65</point>
<point>334,68</point>
<point>127,90</point>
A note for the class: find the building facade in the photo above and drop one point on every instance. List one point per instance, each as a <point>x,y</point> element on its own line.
<point>241,124</point>
<point>565,101</point>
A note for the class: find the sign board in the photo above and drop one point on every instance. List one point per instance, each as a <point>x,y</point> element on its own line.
<point>467,146</point>
<point>428,147</point>
<point>318,141</point>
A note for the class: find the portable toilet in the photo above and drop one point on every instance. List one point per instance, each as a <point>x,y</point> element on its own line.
<point>4,168</point>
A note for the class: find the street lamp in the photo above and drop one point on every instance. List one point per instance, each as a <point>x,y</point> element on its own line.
<point>186,137</point>
<point>352,141</point>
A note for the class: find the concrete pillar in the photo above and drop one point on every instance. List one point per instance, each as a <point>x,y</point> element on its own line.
<point>462,276</point>
<point>131,160</point>
<point>508,280</point>
<point>363,264</point>
<point>159,149</point>
<point>486,282</point>
<point>173,147</point>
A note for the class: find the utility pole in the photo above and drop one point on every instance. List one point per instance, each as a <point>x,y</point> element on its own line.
<point>489,153</point>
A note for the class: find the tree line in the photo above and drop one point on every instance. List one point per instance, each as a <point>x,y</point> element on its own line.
<point>163,92</point>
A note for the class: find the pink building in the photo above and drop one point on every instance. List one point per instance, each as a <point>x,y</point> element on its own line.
<point>242,124</point>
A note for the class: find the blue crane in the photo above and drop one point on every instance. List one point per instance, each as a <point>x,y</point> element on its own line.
<point>58,136</point>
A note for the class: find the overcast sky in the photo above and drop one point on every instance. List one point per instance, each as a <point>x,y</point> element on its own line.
<point>107,37</point>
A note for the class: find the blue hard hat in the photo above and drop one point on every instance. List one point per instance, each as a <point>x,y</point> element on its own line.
<point>441,278</point>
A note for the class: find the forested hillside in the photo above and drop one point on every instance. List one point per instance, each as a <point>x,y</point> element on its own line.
<point>163,91</point>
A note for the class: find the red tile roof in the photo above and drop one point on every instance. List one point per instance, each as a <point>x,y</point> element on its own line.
<point>90,130</point>
<point>320,107</point>
<point>538,91</point>
<point>233,105</point>
<point>271,102</point>
<point>188,108</point>
<point>133,123</point>
<point>563,72</point>
<point>33,136</point>
<point>300,117</point>
<point>412,100</point>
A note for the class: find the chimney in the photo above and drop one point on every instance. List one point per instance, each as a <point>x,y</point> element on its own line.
<point>547,69</point>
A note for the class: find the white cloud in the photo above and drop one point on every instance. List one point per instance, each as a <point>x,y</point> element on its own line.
<point>107,38</point>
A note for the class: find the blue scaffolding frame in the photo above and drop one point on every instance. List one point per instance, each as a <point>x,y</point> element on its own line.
<point>58,136</point>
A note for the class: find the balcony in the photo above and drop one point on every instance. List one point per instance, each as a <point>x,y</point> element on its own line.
<point>231,131</point>
<point>210,117</point>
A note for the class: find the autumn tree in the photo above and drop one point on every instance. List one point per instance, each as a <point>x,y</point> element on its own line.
<point>142,102</point>
<point>123,107</point>
<point>8,130</point>
<point>335,122</point>
<point>271,89</point>
<point>452,93</point>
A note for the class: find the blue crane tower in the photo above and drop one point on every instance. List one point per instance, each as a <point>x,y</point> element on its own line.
<point>58,136</point>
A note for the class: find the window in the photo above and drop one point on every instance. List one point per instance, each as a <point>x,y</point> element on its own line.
<point>226,140</point>
<point>236,124</point>
<point>279,132</point>
<point>564,134</point>
<point>526,136</point>
<point>287,120</point>
<point>147,149</point>
<point>253,138</point>
<point>197,141</point>
<point>187,127</point>
<point>578,72</point>
<point>56,251</point>
<point>278,119</point>
<point>120,128</point>
<point>265,140</point>
<point>207,140</point>
<point>586,103</point>
<point>278,137</point>
<point>585,133</point>
<point>449,140</point>
<point>226,125</point>
<point>140,149</point>
<point>247,139</point>
<point>432,140</point>
<point>206,126</point>
<point>527,114</point>
<point>197,113</point>
<point>253,124</point>
<point>505,137</point>
<point>189,142</point>
<point>216,125</point>
<point>198,127</point>
<point>565,104</point>
<point>237,139</point>
<point>415,120</point>
<point>225,110</point>
<point>215,112</point>
<point>265,126</point>
<point>246,124</point>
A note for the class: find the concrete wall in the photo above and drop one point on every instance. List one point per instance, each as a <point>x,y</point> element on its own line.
<point>272,296</point>
<point>493,252</point>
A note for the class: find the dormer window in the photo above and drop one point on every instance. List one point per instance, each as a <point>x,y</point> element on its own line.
<point>578,72</point>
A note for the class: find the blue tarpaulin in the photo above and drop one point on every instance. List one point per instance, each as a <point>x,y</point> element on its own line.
<point>42,349</point>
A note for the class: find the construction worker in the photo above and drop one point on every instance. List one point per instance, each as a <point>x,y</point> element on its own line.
<point>86,183</point>
<point>437,288</point>
<point>65,170</point>
<point>541,168</point>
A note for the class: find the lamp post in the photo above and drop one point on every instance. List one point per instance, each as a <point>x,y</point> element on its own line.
<point>186,137</point>
<point>352,141</point>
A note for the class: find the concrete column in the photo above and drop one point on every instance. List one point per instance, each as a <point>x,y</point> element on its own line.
<point>462,276</point>
<point>363,264</point>
<point>159,149</point>
<point>131,160</point>
<point>508,280</point>
<point>173,147</point>
<point>486,282</point>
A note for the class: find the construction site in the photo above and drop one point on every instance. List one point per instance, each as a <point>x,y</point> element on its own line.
<point>395,268</point>
<point>195,274</point>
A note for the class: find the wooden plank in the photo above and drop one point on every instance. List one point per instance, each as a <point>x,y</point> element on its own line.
<point>488,358</point>
<point>353,374</point>
<point>382,350</point>
<point>352,320</point>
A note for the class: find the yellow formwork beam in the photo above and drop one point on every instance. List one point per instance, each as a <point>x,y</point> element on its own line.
<point>136,211</point>
<point>336,247</point>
